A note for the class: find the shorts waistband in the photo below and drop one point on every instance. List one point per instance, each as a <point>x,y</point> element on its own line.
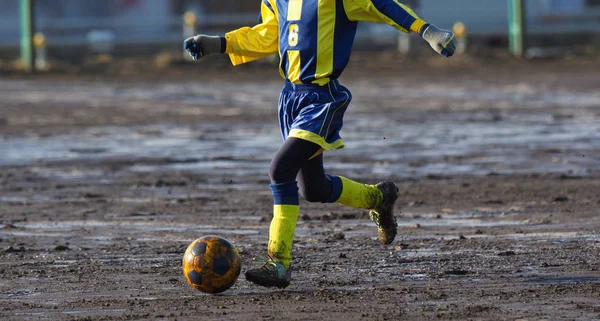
<point>331,85</point>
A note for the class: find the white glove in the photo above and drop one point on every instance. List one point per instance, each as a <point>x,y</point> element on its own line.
<point>442,41</point>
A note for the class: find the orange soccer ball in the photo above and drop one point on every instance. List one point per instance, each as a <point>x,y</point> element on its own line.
<point>211,264</point>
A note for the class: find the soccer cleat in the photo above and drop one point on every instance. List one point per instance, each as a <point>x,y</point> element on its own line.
<point>272,273</point>
<point>383,215</point>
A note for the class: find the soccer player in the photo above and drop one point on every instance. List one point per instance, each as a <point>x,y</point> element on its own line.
<point>314,40</point>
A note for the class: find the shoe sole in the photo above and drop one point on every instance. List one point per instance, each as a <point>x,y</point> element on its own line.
<point>384,215</point>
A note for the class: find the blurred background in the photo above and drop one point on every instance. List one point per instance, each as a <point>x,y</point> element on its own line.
<point>120,151</point>
<point>72,27</point>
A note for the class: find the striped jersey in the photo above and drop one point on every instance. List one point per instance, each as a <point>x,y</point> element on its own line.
<point>314,37</point>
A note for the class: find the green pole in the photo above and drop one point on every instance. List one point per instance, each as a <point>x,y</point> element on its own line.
<point>516,27</point>
<point>27,27</point>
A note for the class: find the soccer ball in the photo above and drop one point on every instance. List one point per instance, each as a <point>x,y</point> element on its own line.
<point>211,264</point>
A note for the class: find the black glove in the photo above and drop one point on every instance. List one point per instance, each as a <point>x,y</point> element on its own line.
<point>202,45</point>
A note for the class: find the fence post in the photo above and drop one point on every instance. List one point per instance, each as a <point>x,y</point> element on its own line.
<point>461,33</point>
<point>516,27</point>
<point>27,27</point>
<point>41,53</point>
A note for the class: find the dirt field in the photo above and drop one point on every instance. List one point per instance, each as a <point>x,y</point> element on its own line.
<point>105,178</point>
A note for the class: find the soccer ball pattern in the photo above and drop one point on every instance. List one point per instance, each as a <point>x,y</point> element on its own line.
<point>211,264</point>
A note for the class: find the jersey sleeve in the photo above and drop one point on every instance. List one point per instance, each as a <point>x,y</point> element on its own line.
<point>251,43</point>
<point>391,12</point>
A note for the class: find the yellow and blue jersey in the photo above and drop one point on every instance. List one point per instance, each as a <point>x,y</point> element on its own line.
<point>314,40</point>
<point>314,37</point>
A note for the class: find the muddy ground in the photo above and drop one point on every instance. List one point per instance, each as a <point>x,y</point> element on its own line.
<point>107,175</point>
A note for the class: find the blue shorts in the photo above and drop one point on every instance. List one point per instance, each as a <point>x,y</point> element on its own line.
<point>314,113</point>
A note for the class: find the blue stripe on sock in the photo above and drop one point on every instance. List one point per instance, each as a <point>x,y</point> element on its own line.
<point>285,193</point>
<point>336,188</point>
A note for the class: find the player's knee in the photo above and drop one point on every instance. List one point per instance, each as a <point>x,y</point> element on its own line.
<point>273,173</point>
<point>279,173</point>
<point>314,195</point>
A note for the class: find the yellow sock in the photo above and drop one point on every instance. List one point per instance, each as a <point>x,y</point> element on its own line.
<point>281,232</point>
<point>359,195</point>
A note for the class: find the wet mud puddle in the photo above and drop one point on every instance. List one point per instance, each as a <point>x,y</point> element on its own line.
<point>455,141</point>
